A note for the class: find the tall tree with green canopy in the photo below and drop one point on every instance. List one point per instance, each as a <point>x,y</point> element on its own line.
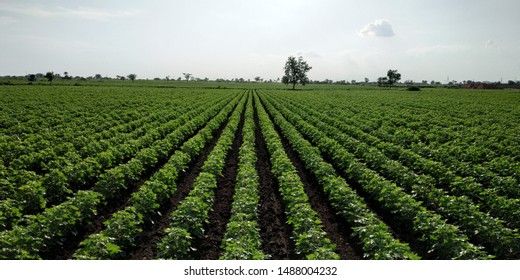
<point>296,71</point>
<point>393,77</point>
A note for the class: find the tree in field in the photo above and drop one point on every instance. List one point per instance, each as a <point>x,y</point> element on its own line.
<point>31,78</point>
<point>66,76</point>
<point>187,76</point>
<point>393,77</point>
<point>132,76</point>
<point>382,81</point>
<point>49,76</point>
<point>98,77</point>
<point>295,71</point>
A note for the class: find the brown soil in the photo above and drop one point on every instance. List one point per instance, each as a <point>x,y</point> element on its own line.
<point>274,230</point>
<point>153,233</point>
<point>208,248</point>
<point>71,243</point>
<point>336,228</point>
<point>398,229</point>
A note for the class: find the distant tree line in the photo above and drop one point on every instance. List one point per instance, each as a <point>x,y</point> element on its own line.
<point>295,72</point>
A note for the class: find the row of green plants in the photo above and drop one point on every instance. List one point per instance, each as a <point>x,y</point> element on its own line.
<point>189,220</point>
<point>457,121</point>
<point>19,157</point>
<point>443,240</point>
<point>40,121</point>
<point>67,131</point>
<point>112,184</point>
<point>108,152</point>
<point>480,167</point>
<point>473,146</point>
<point>49,228</point>
<point>64,152</point>
<point>45,154</point>
<point>242,238</point>
<point>123,226</point>
<point>501,171</point>
<point>488,198</point>
<point>373,234</point>
<point>310,240</point>
<point>118,178</point>
<point>481,227</point>
<point>33,196</point>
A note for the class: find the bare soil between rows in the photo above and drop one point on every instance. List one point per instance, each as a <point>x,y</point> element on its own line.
<point>398,229</point>
<point>274,230</point>
<point>338,231</point>
<point>70,244</point>
<point>154,231</point>
<point>208,248</point>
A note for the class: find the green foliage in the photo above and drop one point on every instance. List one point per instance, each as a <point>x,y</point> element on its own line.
<point>48,228</point>
<point>441,189</point>
<point>191,216</point>
<point>242,238</point>
<point>444,164</point>
<point>10,213</point>
<point>175,245</point>
<point>125,224</point>
<point>98,247</point>
<point>295,71</point>
<point>393,77</point>
<point>307,228</point>
<point>377,241</point>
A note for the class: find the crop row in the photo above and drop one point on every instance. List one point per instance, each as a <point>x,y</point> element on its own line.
<point>391,125</point>
<point>40,232</point>
<point>65,152</point>
<point>242,238</point>
<point>46,127</point>
<point>443,240</point>
<point>490,232</point>
<point>487,198</point>
<point>122,228</point>
<point>189,220</point>
<point>106,152</point>
<point>377,242</point>
<point>57,185</point>
<point>307,229</point>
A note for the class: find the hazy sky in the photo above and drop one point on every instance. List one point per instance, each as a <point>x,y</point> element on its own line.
<point>341,40</point>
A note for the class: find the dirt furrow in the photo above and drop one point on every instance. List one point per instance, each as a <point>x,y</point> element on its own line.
<point>208,248</point>
<point>154,230</point>
<point>67,249</point>
<point>274,230</point>
<point>400,230</point>
<point>336,228</point>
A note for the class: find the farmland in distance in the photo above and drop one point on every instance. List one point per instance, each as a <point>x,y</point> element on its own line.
<point>254,171</point>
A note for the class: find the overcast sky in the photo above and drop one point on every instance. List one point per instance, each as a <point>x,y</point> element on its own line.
<point>341,40</point>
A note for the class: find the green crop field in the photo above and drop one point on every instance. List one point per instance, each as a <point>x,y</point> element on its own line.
<point>182,170</point>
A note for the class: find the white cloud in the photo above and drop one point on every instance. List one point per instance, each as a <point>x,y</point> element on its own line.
<point>58,11</point>
<point>491,44</point>
<point>379,28</point>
